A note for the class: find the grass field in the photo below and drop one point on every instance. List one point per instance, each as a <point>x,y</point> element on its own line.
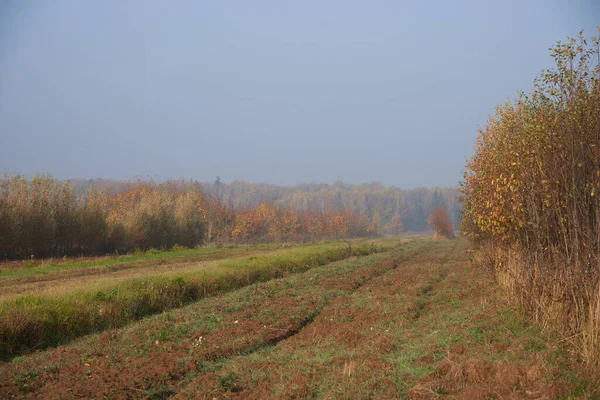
<point>79,303</point>
<point>416,321</point>
<point>46,267</point>
<point>48,277</point>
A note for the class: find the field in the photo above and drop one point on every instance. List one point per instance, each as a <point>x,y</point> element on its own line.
<point>70,302</point>
<point>388,318</point>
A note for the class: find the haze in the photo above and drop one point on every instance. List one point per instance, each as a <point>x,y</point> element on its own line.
<point>265,91</point>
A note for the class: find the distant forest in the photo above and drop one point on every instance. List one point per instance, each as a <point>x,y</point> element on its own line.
<point>44,217</point>
<point>413,205</point>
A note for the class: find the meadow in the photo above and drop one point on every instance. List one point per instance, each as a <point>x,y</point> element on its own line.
<point>71,302</point>
<point>416,311</point>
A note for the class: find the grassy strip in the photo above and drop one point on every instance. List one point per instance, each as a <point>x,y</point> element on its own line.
<point>33,322</point>
<point>54,265</point>
<point>267,312</point>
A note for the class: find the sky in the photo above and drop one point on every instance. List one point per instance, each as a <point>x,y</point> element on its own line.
<point>281,92</point>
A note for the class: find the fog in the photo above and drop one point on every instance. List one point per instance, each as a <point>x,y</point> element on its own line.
<point>265,91</point>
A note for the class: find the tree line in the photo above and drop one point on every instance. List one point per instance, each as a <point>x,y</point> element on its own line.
<point>389,203</point>
<point>397,209</point>
<point>46,217</point>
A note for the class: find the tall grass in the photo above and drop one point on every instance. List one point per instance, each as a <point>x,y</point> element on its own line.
<point>33,322</point>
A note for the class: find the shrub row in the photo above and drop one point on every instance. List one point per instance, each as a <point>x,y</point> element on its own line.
<point>43,217</point>
<point>531,195</point>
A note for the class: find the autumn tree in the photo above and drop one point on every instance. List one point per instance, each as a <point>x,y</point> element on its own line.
<point>43,216</point>
<point>396,225</point>
<point>440,223</point>
<point>376,226</point>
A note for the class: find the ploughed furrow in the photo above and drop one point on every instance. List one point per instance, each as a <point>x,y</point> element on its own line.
<point>161,355</point>
<point>352,281</point>
<point>341,322</point>
<point>417,322</point>
<point>46,320</point>
<point>430,328</point>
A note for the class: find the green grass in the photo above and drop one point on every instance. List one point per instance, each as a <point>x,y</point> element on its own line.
<point>57,265</point>
<point>29,322</point>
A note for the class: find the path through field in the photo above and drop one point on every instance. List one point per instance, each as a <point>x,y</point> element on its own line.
<point>417,322</point>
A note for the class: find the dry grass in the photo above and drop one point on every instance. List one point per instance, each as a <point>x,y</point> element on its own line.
<point>554,298</point>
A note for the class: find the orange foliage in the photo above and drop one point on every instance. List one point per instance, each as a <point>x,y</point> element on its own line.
<point>45,217</point>
<point>531,194</point>
<point>396,226</point>
<point>439,221</point>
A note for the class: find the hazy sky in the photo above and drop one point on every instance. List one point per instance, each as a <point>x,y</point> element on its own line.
<point>266,91</point>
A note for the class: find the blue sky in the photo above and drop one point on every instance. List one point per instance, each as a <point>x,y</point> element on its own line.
<point>266,91</point>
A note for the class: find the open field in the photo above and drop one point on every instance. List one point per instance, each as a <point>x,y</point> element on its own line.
<point>416,321</point>
<point>35,316</point>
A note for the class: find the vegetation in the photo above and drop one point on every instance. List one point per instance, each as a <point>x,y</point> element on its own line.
<point>49,266</point>
<point>439,221</point>
<point>414,322</point>
<point>531,196</point>
<point>37,321</point>
<point>44,217</point>
<point>412,206</point>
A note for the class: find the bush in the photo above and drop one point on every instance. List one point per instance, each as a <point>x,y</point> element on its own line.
<point>440,223</point>
<point>531,189</point>
<point>44,217</point>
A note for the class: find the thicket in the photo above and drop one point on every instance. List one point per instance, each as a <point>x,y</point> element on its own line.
<point>531,195</point>
<point>44,217</point>
<point>440,223</point>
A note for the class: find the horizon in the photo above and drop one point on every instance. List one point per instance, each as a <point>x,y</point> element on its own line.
<point>167,179</point>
